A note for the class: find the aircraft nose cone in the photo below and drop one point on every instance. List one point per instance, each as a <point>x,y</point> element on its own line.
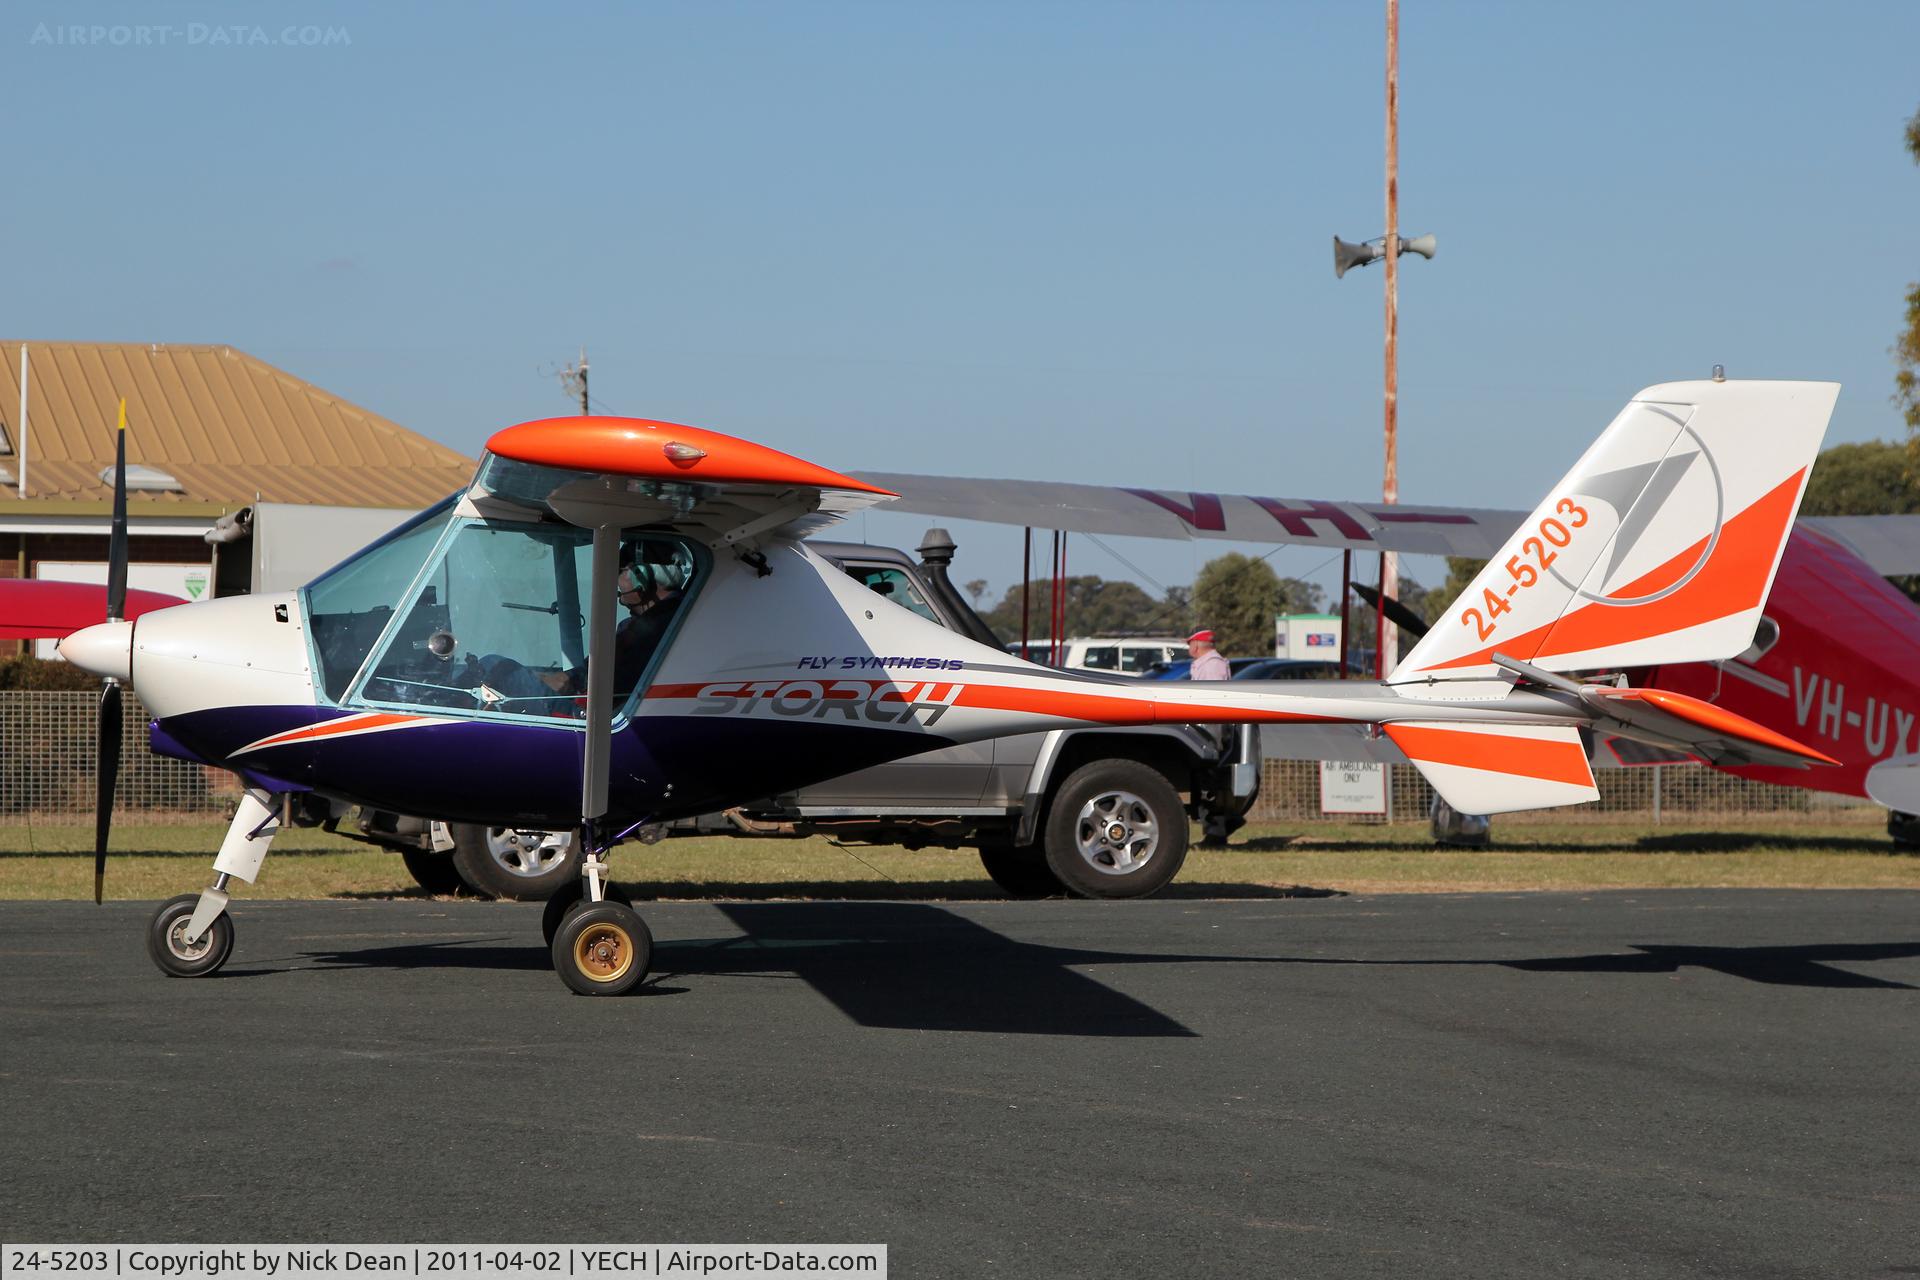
<point>105,649</point>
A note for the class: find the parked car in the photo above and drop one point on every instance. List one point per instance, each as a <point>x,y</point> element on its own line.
<point>1178,669</point>
<point>1288,669</point>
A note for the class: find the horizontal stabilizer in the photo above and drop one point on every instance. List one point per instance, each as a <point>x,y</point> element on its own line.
<point>1685,723</point>
<point>1481,768</point>
<point>1895,783</point>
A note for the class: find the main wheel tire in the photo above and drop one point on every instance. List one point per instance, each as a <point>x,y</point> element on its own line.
<point>602,949</point>
<point>1021,870</point>
<point>170,950</point>
<point>1116,829</point>
<point>506,862</point>
<point>565,896</point>
<point>434,872</point>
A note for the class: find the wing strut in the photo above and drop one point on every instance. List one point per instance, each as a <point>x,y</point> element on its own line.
<point>598,749</point>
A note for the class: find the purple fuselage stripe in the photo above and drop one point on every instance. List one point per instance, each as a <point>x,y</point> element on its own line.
<point>502,773</point>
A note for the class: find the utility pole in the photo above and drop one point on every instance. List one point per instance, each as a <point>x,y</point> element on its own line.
<point>573,381</point>
<point>1386,641</point>
<point>1388,250</point>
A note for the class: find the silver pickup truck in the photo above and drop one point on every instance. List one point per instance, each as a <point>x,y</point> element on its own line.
<point>1097,812</point>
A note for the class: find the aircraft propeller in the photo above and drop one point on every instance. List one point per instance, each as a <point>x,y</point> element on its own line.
<point>111,716</point>
<point>1406,619</point>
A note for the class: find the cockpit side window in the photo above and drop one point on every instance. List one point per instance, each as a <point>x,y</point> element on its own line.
<point>497,626</point>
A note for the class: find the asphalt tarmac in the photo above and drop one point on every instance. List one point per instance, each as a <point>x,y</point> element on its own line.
<point>1622,1084</point>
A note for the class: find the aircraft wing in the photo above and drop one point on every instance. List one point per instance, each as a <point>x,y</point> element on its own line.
<point>39,609</point>
<point>1166,513</point>
<point>1890,544</point>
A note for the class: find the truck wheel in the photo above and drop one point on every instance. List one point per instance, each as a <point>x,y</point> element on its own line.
<point>1116,829</point>
<point>505,862</point>
<point>434,872</point>
<point>1021,870</point>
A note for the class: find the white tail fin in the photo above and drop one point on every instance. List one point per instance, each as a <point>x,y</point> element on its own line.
<point>1659,546</point>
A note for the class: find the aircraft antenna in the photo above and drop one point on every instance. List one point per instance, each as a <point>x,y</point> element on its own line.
<point>573,381</point>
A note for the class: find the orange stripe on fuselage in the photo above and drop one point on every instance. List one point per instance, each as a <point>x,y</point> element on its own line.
<point>1734,579</point>
<point>1094,708</point>
<point>328,728</point>
<point>1547,759</point>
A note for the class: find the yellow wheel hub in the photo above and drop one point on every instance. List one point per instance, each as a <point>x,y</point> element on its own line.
<point>603,952</point>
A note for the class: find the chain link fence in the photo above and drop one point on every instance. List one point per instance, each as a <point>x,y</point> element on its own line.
<point>47,774</point>
<point>1290,792</point>
<point>48,767</point>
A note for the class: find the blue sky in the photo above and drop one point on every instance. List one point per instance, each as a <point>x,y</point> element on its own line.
<point>1065,241</point>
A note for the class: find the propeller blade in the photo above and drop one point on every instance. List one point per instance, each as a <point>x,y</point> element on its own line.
<point>1401,616</point>
<point>107,774</point>
<point>117,547</point>
<point>105,778</point>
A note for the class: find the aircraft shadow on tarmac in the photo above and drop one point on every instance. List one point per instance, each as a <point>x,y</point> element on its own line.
<point>1695,842</point>
<point>917,966</point>
<point>911,966</point>
<point>981,890</point>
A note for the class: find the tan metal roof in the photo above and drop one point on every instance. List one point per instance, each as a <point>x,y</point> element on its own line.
<point>230,428</point>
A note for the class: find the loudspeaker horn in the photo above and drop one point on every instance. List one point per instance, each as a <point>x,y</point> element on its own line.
<point>1347,256</point>
<point>1425,246</point>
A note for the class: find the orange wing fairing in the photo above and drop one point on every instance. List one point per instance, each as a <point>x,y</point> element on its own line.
<point>656,450</point>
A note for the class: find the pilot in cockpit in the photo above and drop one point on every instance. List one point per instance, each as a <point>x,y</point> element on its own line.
<point>652,586</point>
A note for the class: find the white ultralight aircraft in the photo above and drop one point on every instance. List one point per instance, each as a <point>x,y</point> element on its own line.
<point>471,664</point>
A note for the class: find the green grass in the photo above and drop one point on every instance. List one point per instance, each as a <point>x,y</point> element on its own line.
<point>1847,849</point>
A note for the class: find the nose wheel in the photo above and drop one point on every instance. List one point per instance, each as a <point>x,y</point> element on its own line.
<point>168,944</point>
<point>602,948</point>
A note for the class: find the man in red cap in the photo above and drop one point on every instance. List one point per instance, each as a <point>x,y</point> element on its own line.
<point>1207,662</point>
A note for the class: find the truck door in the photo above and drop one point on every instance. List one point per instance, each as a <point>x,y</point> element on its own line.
<point>954,776</point>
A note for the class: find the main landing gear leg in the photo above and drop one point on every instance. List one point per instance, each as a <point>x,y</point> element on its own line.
<point>191,936</point>
<point>600,945</point>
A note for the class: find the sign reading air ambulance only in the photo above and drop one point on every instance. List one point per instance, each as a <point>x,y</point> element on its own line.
<point>1353,786</point>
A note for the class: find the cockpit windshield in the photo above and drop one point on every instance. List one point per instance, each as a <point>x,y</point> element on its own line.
<point>495,622</point>
<point>350,604</point>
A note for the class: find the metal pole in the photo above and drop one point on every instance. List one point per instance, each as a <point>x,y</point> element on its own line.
<point>23,420</point>
<point>1656,794</point>
<point>1062,592</point>
<point>1380,621</point>
<point>1384,641</point>
<point>1053,606</point>
<point>584,410</point>
<point>1346,595</point>
<point>1026,591</point>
